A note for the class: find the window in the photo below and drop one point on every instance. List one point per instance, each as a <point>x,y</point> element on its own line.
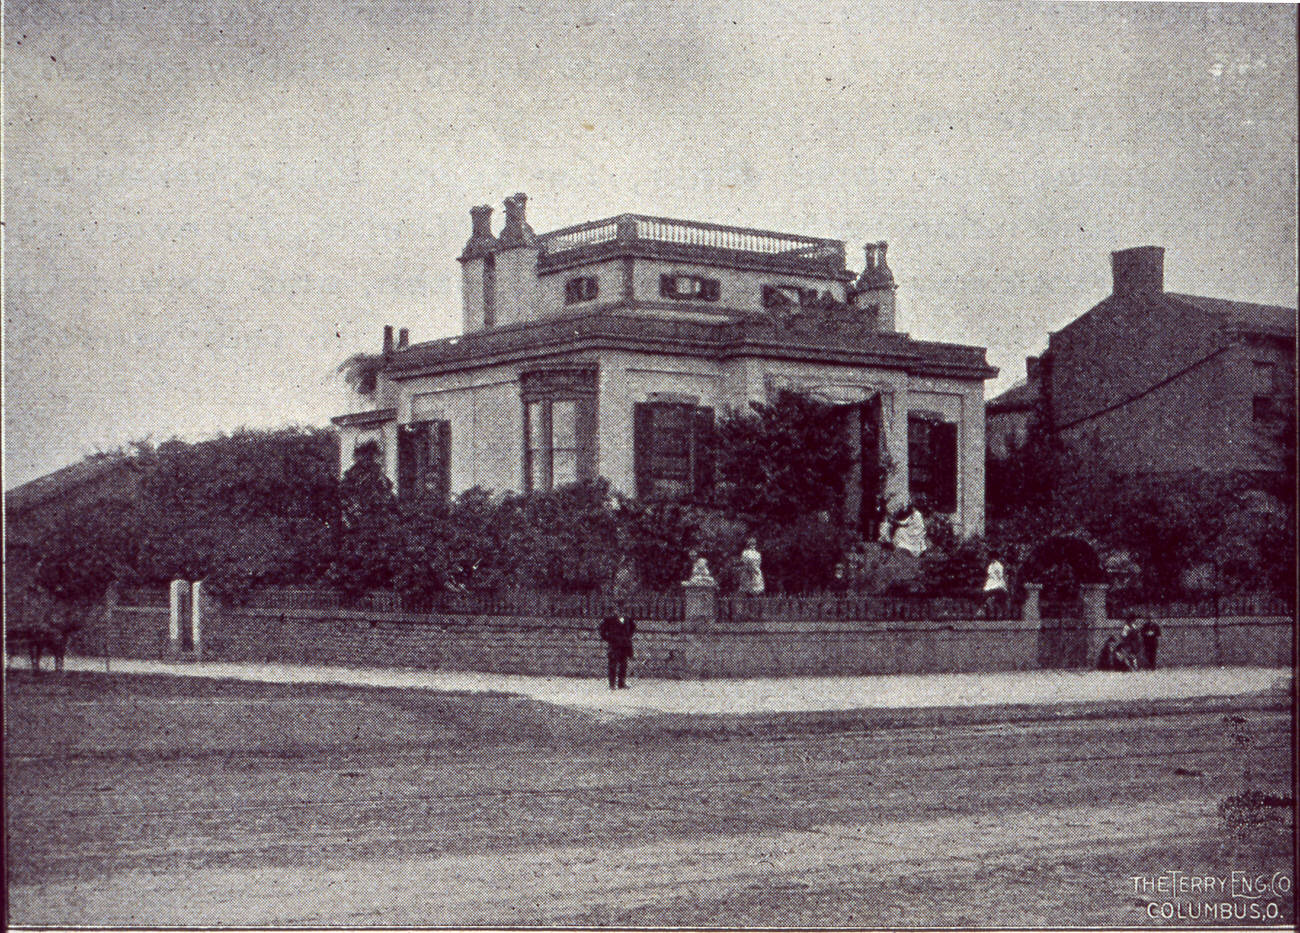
<point>559,427</point>
<point>424,460</point>
<point>672,449</point>
<point>581,288</point>
<point>932,462</point>
<point>1265,405</point>
<point>689,286</point>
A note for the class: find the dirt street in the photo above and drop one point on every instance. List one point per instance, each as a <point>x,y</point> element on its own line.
<point>159,801</point>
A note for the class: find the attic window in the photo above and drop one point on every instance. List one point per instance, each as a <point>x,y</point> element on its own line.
<point>689,287</point>
<point>581,288</point>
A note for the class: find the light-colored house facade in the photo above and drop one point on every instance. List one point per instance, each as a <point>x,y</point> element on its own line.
<point>610,349</point>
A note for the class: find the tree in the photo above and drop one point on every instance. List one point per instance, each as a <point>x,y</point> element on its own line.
<point>368,525</point>
<point>243,510</point>
<point>786,460</point>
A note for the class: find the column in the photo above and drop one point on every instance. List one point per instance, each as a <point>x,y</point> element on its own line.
<point>196,618</point>
<point>174,616</point>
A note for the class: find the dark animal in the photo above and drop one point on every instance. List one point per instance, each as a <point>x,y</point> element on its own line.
<point>37,640</point>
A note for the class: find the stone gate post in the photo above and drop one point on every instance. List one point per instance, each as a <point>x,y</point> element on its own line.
<point>174,621</point>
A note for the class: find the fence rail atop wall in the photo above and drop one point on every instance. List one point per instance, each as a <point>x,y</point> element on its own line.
<point>1238,604</point>
<point>670,607</point>
<point>848,608</point>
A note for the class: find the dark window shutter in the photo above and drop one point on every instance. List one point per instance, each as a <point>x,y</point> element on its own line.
<point>441,460</point>
<point>643,448</point>
<point>918,456</point>
<point>585,427</point>
<point>408,440</point>
<point>944,451</point>
<point>703,450</point>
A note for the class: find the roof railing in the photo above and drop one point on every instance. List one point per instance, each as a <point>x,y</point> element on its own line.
<point>638,227</point>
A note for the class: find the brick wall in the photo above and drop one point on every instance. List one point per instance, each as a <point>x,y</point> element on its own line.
<point>570,646</point>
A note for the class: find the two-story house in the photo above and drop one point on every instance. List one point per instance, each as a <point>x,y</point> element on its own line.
<point>1151,381</point>
<point>610,348</point>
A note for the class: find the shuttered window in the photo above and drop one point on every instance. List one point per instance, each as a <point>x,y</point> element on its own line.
<point>683,286</point>
<point>932,462</point>
<point>424,460</point>
<point>672,450</point>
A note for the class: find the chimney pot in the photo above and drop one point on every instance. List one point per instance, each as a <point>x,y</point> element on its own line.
<point>481,221</point>
<point>516,231</point>
<point>880,248</point>
<point>403,338</point>
<point>871,256</point>
<point>388,338</point>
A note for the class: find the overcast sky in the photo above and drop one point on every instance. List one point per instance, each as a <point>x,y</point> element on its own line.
<point>207,206</point>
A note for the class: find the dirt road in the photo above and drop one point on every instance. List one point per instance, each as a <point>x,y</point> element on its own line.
<point>155,801</point>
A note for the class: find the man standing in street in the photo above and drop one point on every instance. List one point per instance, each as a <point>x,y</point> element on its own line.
<point>617,632</point>
<point>1150,640</point>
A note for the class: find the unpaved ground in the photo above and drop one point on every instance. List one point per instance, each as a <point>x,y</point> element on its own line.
<point>158,801</point>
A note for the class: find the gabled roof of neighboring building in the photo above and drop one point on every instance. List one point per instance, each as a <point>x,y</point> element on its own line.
<point>1020,397</point>
<point>1268,318</point>
<point>63,483</point>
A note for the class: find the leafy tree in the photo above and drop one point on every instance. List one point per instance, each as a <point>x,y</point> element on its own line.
<point>368,525</point>
<point>786,460</point>
<point>243,510</point>
<point>569,537</point>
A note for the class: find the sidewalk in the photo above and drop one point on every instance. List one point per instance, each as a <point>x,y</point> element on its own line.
<point>762,695</point>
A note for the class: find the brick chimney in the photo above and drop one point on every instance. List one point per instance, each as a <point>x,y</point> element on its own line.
<point>516,231</point>
<point>1138,270</point>
<point>481,241</point>
<point>403,338</point>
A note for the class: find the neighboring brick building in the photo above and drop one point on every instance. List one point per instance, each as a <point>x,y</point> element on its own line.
<point>1152,381</point>
<point>610,348</point>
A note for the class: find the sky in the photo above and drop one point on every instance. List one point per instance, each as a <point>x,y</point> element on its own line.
<point>208,206</point>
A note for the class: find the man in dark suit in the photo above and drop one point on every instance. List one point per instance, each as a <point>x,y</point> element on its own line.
<point>617,632</point>
<point>1150,640</point>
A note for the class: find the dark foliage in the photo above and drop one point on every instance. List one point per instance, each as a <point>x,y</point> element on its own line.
<point>783,462</point>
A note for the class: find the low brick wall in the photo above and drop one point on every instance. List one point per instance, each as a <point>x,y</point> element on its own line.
<point>1254,641</point>
<point>571,647</point>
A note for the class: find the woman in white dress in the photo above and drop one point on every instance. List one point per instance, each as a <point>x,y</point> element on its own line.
<point>751,563</point>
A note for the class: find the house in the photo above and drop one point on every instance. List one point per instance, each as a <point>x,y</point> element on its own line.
<point>1151,381</point>
<point>611,347</point>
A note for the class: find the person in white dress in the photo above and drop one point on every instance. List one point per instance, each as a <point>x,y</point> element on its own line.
<point>751,563</point>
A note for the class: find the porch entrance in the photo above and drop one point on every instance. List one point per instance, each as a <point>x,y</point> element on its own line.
<point>864,488</point>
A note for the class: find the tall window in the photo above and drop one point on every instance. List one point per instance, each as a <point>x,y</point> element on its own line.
<point>559,427</point>
<point>932,461</point>
<point>672,449</point>
<point>424,460</point>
